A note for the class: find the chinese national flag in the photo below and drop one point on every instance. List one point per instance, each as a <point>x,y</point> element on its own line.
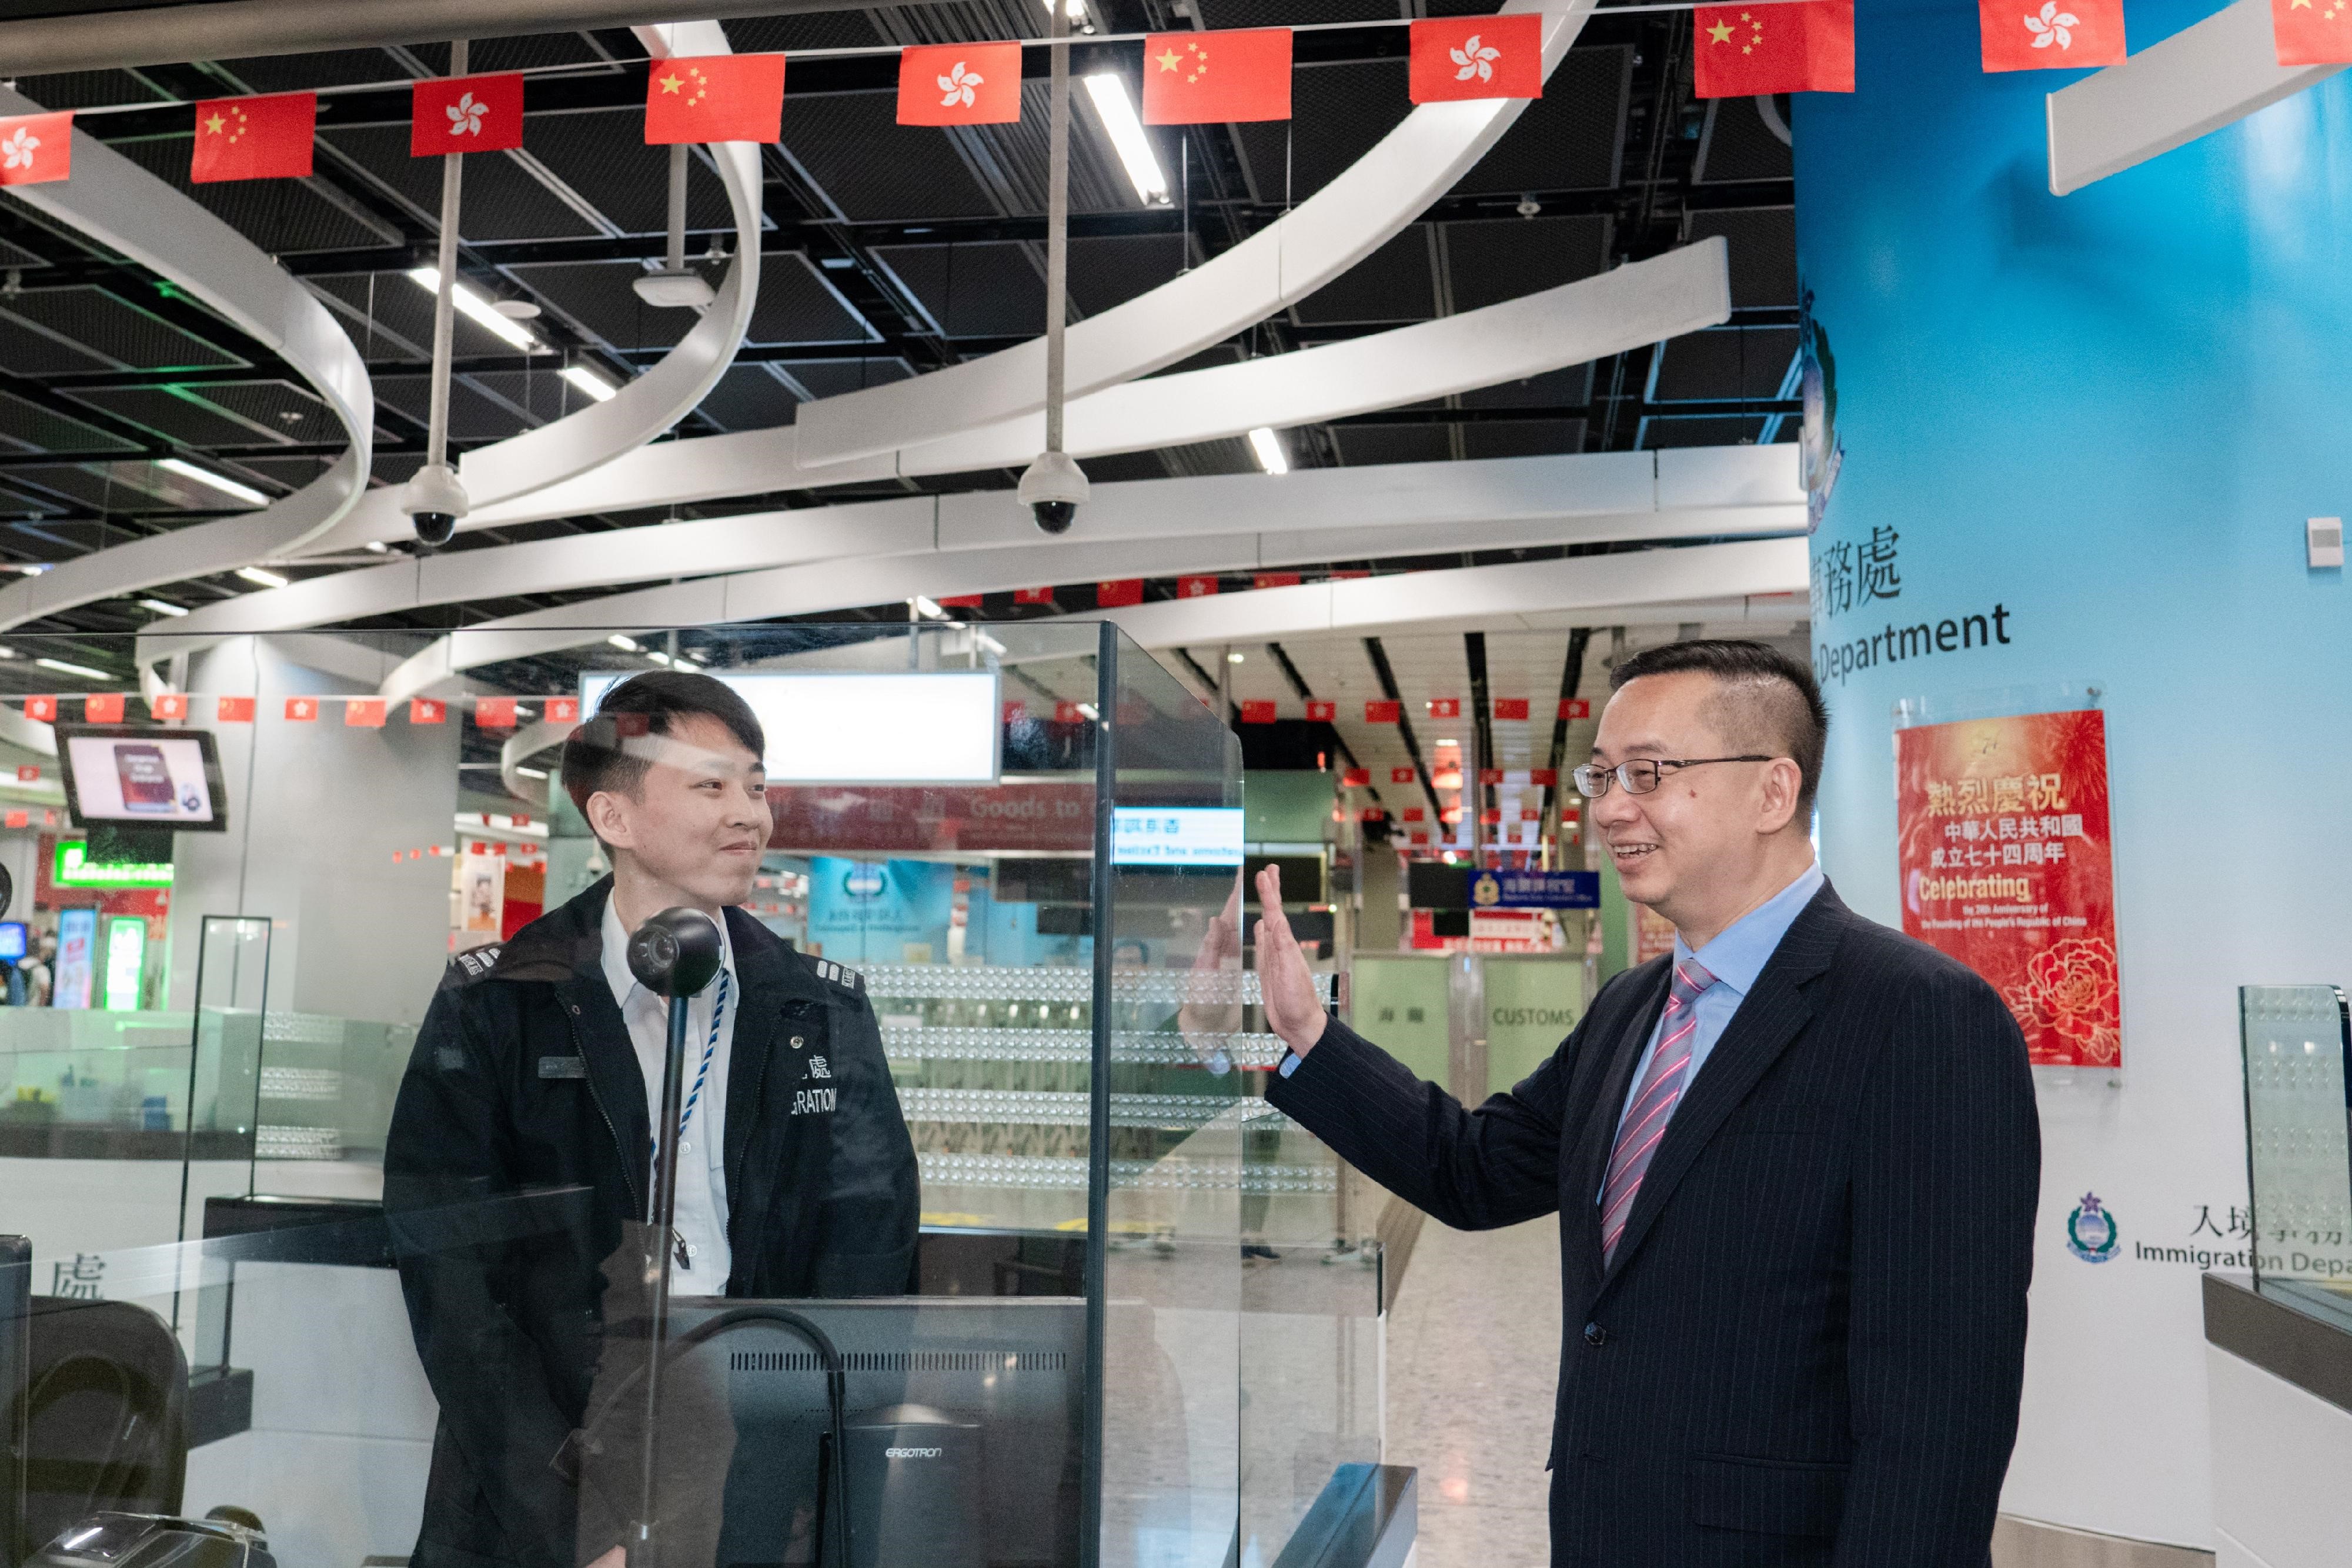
<point>427,710</point>
<point>35,148</point>
<point>254,138</point>
<point>42,708</point>
<point>363,713</point>
<point>1216,78</point>
<point>961,601</point>
<point>562,710</point>
<point>2017,37</point>
<point>1196,587</point>
<point>1745,51</point>
<point>19,818</point>
<point>233,710</point>
<point>716,98</point>
<point>1119,593</point>
<point>1257,713</point>
<point>1322,713</point>
<point>494,713</point>
<point>302,710</point>
<point>103,709</point>
<point>2308,32</point>
<point>1274,580</point>
<point>1383,712</point>
<point>465,114</point>
<point>1356,779</point>
<point>168,704</point>
<point>1477,56</point>
<point>959,84</point>
<point>1510,708</point>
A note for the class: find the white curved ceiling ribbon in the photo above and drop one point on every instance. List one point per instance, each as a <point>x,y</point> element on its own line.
<point>1172,526</point>
<point>1313,513</point>
<point>122,206</point>
<point>1644,302</point>
<point>1367,205</point>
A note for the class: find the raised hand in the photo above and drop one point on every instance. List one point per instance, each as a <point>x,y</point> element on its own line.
<point>1205,1024</point>
<point>1292,1009</point>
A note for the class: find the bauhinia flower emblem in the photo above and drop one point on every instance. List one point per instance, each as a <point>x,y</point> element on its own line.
<point>19,148</point>
<point>466,116</point>
<point>960,85</point>
<point>1474,60</point>
<point>2051,27</point>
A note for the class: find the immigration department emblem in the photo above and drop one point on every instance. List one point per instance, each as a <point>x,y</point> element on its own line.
<point>2091,1231</point>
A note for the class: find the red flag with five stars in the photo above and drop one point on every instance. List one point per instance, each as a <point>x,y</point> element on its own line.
<point>715,98</point>
<point>1477,56</point>
<point>254,138</point>
<point>35,148</point>
<point>1744,51</point>
<point>2049,34</point>
<point>2312,32</point>
<point>1221,77</point>
<point>465,114</point>
<point>363,713</point>
<point>959,84</point>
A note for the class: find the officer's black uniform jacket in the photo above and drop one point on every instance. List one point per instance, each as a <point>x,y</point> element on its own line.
<point>524,1082</point>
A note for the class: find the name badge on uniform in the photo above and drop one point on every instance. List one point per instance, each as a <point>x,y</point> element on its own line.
<point>564,1067</point>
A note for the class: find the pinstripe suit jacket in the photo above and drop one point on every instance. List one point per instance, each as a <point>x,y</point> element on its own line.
<point>1807,1346</point>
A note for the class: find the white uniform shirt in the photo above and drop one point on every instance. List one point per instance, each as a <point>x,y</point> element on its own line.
<point>701,1221</point>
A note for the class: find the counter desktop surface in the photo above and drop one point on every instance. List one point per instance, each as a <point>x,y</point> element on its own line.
<point>201,1189</point>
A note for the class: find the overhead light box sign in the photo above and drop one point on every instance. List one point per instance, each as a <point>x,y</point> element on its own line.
<point>1176,835</point>
<point>851,727</point>
<point>74,868</point>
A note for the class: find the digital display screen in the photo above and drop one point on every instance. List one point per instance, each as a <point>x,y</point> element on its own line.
<point>12,940</point>
<point>827,728</point>
<point>1176,835</point>
<point>150,777</point>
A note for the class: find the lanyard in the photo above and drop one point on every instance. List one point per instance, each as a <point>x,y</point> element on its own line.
<point>702,1073</point>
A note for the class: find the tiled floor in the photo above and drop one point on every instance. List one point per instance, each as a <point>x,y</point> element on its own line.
<point>1473,1351</point>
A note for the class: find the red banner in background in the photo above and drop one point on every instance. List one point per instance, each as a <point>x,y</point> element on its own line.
<point>2006,864</point>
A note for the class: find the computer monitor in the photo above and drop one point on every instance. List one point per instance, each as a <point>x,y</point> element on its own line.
<point>957,1410</point>
<point>120,774</point>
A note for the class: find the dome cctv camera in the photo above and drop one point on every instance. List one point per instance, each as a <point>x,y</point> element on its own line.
<point>433,501</point>
<point>1053,487</point>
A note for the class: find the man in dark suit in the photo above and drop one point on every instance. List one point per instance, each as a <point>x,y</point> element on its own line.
<point>1795,1165</point>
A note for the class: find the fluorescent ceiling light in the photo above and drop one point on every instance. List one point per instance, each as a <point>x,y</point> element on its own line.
<point>625,644</point>
<point>82,670</point>
<point>226,485</point>
<point>532,772</point>
<point>164,607</point>
<point>927,608</point>
<point>377,547</point>
<point>658,656</point>
<point>476,308</point>
<point>1109,89</point>
<point>7,652</point>
<point>261,578</point>
<point>1269,448</point>
<point>589,382</point>
<point>1237,658</point>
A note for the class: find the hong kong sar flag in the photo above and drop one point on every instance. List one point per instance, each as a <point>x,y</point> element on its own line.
<point>37,148</point>
<point>2055,34</point>
<point>1747,50</point>
<point>1220,77</point>
<point>959,84</point>
<point>1477,56</point>
<point>465,114</point>
<point>266,138</point>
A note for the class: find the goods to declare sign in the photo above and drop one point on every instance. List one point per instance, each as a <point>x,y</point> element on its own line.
<point>2006,866</point>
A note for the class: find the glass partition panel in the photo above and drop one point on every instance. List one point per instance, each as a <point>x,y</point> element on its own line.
<point>2296,1041</point>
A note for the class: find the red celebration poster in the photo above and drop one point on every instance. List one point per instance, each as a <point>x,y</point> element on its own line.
<point>2005,861</point>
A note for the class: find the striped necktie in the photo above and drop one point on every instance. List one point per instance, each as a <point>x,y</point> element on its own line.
<point>1653,1103</point>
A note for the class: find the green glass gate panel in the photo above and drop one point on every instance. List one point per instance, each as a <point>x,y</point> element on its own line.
<point>1398,1004</point>
<point>1531,1004</point>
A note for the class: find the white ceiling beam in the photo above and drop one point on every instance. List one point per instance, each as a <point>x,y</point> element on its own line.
<point>1362,208</point>
<point>2209,75</point>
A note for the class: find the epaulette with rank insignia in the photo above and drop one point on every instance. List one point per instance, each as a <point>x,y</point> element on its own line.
<point>848,979</point>
<point>473,964</point>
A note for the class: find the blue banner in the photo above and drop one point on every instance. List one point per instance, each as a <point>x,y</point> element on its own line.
<point>1535,890</point>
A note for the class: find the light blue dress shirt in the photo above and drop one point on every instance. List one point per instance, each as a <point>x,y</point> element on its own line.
<point>1735,956</point>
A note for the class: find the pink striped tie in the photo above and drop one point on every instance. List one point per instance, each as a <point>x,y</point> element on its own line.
<point>1654,1104</point>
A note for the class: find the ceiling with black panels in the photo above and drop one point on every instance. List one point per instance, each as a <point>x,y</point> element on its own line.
<point>887,251</point>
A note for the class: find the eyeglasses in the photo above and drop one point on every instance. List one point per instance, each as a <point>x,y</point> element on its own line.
<point>1643,774</point>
